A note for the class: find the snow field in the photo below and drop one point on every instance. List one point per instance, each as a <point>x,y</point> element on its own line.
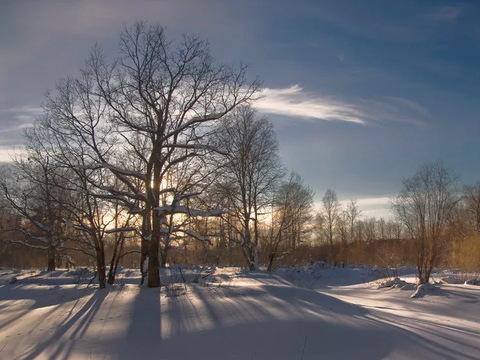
<point>313,313</point>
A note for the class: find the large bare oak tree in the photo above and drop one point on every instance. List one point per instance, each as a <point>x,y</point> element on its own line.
<point>145,114</point>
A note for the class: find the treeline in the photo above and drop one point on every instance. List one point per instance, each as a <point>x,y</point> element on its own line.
<point>355,240</point>
<point>157,158</point>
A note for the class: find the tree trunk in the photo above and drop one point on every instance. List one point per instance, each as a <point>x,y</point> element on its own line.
<point>251,256</point>
<point>271,258</point>
<point>115,260</point>
<point>112,269</point>
<point>156,218</point>
<point>101,268</point>
<point>51,255</point>
<point>111,275</point>
<point>163,259</point>
<point>273,252</point>
<point>153,261</point>
<point>145,244</point>
<point>255,258</point>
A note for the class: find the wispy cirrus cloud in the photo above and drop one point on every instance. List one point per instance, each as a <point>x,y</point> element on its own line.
<point>384,109</point>
<point>294,101</point>
<point>447,13</point>
<point>24,109</point>
<point>13,122</point>
<point>18,118</point>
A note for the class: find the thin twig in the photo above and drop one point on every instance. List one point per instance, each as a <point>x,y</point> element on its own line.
<point>93,278</point>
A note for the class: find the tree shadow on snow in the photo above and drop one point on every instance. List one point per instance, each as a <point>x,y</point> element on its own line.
<point>142,339</point>
<point>39,297</point>
<point>280,322</point>
<point>270,322</point>
<point>69,330</point>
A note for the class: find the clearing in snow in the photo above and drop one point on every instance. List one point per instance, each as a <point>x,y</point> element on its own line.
<point>304,313</point>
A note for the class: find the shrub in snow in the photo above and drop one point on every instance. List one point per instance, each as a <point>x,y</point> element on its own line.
<point>422,289</point>
<point>80,272</point>
<point>396,283</point>
<point>174,290</point>
<point>13,280</point>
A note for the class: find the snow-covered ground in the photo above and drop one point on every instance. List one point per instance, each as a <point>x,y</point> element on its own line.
<point>310,313</point>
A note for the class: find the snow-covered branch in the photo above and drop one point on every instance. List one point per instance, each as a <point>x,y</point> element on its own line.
<point>26,244</point>
<point>120,230</point>
<point>169,210</point>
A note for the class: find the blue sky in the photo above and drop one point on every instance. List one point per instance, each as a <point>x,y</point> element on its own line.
<point>360,92</point>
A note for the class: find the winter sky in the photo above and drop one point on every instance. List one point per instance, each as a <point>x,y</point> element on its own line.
<point>360,92</point>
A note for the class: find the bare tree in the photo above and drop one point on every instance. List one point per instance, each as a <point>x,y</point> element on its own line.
<point>28,185</point>
<point>249,177</point>
<point>394,230</point>
<point>342,229</point>
<point>147,113</point>
<point>370,229</point>
<point>90,212</point>
<point>425,205</point>
<point>292,211</point>
<point>331,215</point>
<point>347,227</point>
<point>352,215</point>
<point>471,199</point>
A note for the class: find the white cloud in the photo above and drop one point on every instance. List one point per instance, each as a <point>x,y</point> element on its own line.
<point>13,122</point>
<point>34,110</point>
<point>378,207</point>
<point>393,109</point>
<point>7,152</point>
<point>18,128</point>
<point>373,201</point>
<point>294,101</point>
<point>18,118</point>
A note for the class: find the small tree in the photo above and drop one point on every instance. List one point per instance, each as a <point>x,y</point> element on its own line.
<point>29,187</point>
<point>291,213</point>
<point>349,220</point>
<point>88,210</point>
<point>352,215</point>
<point>471,199</point>
<point>331,216</point>
<point>425,205</point>
<point>249,176</point>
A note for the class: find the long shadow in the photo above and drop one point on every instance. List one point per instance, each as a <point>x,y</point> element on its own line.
<point>143,339</point>
<point>272,322</point>
<point>78,324</point>
<point>429,338</point>
<point>44,295</point>
<point>277,322</point>
<point>230,305</point>
<point>411,334</point>
<point>41,296</point>
<point>268,321</point>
